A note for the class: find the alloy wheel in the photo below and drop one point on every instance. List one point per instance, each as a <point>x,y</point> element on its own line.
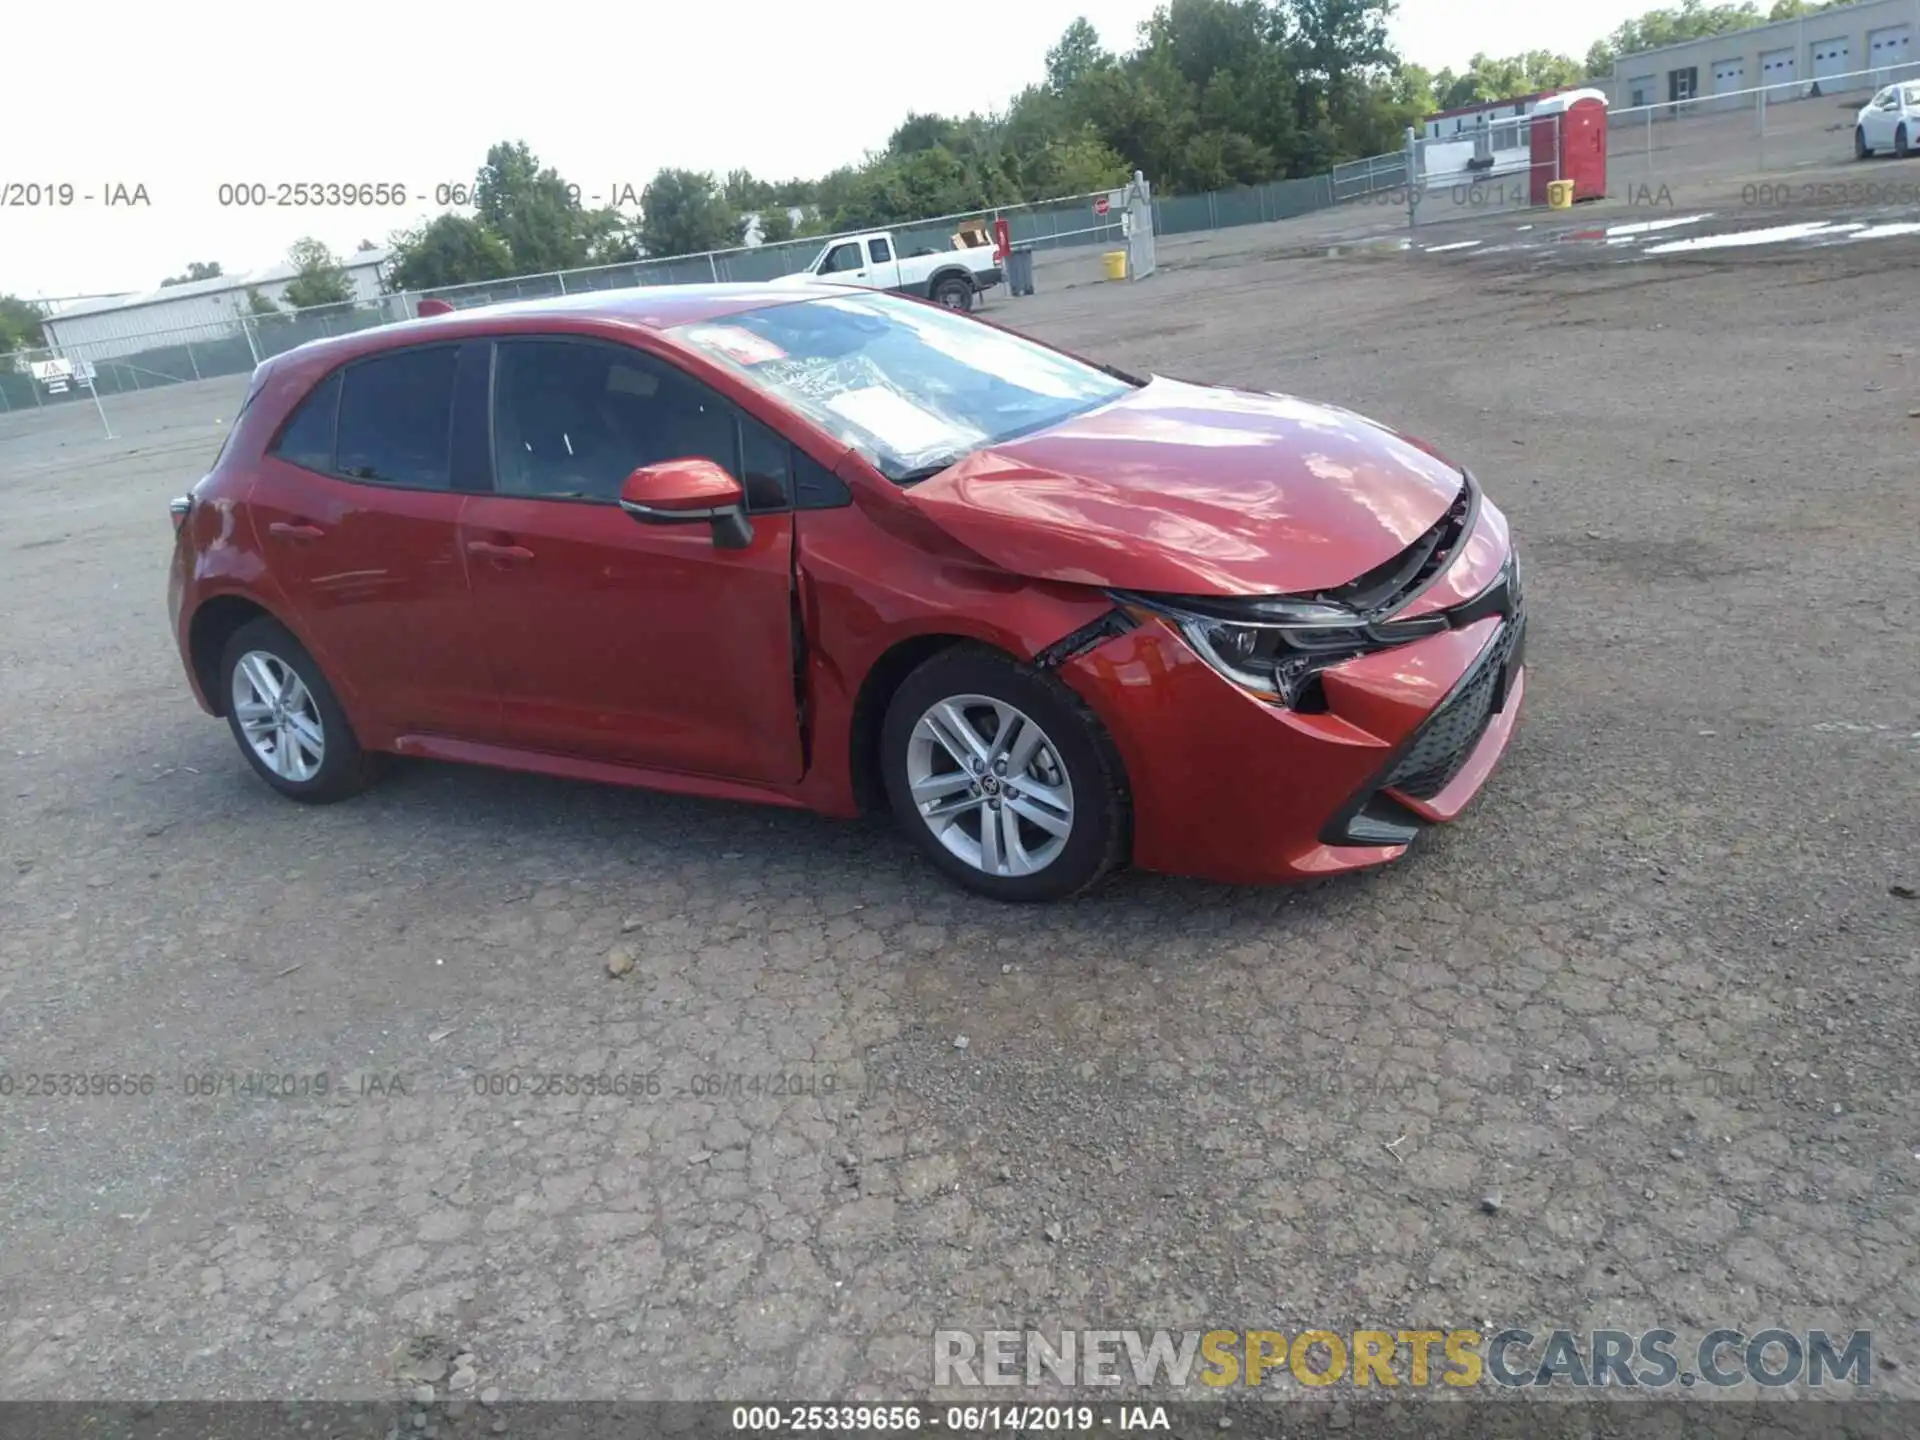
<point>989,784</point>
<point>278,716</point>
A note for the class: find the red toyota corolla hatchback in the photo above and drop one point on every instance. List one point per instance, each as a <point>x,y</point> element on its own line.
<point>838,550</point>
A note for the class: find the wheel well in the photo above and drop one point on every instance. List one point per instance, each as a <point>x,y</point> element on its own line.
<point>951,273</point>
<point>213,624</point>
<point>870,712</point>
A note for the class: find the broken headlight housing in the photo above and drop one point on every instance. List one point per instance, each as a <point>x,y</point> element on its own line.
<point>1275,646</point>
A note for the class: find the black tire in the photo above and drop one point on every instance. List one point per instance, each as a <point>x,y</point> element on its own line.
<point>1900,143</point>
<point>344,768</point>
<point>1860,149</point>
<point>1101,825</point>
<point>953,291</point>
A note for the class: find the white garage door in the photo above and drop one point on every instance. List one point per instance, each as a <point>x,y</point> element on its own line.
<point>1776,67</point>
<point>1831,57</point>
<point>1729,75</point>
<point>1887,48</point>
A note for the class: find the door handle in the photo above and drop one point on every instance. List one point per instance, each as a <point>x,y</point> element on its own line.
<point>299,531</point>
<point>498,552</point>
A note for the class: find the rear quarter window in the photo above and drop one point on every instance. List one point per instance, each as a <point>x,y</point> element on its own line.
<point>307,437</point>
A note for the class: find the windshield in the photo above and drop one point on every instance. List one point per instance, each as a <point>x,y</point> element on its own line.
<point>913,387</point>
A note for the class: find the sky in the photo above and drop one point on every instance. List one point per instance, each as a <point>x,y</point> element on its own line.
<point>179,100</point>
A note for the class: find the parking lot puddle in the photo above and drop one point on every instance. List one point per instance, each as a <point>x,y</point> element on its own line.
<point>1769,235</point>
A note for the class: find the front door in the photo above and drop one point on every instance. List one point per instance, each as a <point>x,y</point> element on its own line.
<point>357,509</point>
<point>609,638</point>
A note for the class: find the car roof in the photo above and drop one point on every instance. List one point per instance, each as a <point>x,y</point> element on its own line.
<point>650,308</point>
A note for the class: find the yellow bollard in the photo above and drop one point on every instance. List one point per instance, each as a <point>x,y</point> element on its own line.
<point>1116,264</point>
<point>1559,194</point>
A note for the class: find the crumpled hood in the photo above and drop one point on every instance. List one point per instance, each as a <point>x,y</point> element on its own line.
<point>1195,489</point>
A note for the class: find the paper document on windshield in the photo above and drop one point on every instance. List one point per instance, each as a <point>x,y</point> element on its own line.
<point>737,343</point>
<point>908,430</point>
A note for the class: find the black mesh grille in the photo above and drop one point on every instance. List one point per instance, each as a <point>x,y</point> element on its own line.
<point>1448,737</point>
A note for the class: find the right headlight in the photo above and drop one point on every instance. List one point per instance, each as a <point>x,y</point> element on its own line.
<point>1274,646</point>
<point>1273,660</point>
<point>1269,645</point>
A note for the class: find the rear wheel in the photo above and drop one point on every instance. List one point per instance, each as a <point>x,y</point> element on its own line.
<point>1861,150</point>
<point>1004,777</point>
<point>954,292</point>
<point>286,718</point>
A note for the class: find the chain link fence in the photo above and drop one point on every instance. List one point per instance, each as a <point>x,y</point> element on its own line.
<point>109,375</point>
<point>1666,155</point>
<point>1755,132</point>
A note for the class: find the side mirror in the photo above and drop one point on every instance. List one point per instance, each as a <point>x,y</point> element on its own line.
<point>684,492</point>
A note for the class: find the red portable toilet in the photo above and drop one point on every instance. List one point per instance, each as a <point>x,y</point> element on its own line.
<point>1569,140</point>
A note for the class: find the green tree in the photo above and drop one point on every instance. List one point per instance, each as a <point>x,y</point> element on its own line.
<point>744,192</point>
<point>364,246</point>
<point>1077,54</point>
<point>529,206</point>
<point>196,270</point>
<point>259,304</point>
<point>776,225</point>
<point>1690,20</point>
<point>610,238</point>
<point>1490,78</point>
<point>20,325</point>
<point>922,132</point>
<point>447,250</point>
<point>684,212</point>
<point>318,277</point>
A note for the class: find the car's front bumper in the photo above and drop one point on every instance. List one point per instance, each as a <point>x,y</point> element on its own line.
<point>1230,787</point>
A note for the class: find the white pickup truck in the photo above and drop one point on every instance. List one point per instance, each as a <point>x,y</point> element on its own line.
<point>953,277</point>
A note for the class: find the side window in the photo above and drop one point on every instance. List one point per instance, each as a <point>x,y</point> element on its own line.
<point>842,257</point>
<point>766,465</point>
<point>814,486</point>
<point>307,437</point>
<point>396,419</point>
<point>880,251</point>
<point>573,419</point>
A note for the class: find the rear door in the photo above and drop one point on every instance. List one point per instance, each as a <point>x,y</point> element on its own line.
<point>609,638</point>
<point>357,508</point>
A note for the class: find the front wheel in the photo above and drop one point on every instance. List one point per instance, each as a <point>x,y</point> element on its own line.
<point>1004,777</point>
<point>1900,143</point>
<point>1861,150</point>
<point>286,718</point>
<point>954,293</point>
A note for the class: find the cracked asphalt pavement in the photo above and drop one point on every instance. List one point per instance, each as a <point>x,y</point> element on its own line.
<point>1632,1044</point>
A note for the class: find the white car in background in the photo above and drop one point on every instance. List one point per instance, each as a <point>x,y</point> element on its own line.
<point>1889,121</point>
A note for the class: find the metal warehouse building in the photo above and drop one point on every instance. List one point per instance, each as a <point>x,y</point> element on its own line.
<point>209,310</point>
<point>1845,49</point>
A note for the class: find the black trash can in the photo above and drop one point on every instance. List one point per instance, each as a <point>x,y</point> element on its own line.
<point>1020,270</point>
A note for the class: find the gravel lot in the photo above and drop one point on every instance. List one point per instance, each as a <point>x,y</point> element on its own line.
<point>1654,995</point>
